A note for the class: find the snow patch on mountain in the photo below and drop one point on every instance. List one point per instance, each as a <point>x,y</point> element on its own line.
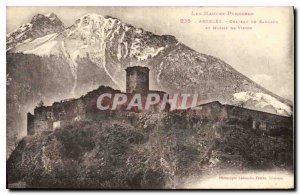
<point>144,53</point>
<point>73,65</point>
<point>263,100</point>
<point>120,42</point>
<point>43,50</point>
<point>95,31</point>
<point>159,72</point>
<point>34,47</point>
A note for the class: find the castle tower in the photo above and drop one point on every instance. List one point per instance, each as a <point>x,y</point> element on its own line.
<point>137,79</point>
<point>30,124</point>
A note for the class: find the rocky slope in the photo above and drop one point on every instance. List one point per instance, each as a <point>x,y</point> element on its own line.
<point>144,151</point>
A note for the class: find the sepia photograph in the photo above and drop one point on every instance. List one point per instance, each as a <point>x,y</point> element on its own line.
<point>141,98</point>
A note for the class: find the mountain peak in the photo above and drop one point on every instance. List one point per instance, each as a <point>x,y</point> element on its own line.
<point>37,17</point>
<point>49,19</point>
<point>40,25</point>
<point>51,15</point>
<point>94,20</point>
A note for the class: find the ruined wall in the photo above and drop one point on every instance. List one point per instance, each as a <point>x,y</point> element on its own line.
<point>213,111</point>
<point>62,113</point>
<point>43,118</point>
<point>238,115</point>
<point>30,124</point>
<point>260,120</point>
<point>52,117</point>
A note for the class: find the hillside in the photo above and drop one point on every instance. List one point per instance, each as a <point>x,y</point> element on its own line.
<point>144,150</point>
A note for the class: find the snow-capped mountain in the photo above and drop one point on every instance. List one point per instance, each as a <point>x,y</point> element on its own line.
<point>39,26</point>
<point>46,61</point>
<point>106,41</point>
<point>96,49</point>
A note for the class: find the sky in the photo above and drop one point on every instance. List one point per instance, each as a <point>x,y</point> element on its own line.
<point>263,53</point>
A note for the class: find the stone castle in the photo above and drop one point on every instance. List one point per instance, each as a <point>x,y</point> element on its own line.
<point>49,118</point>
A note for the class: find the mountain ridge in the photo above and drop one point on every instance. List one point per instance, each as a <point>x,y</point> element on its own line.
<point>145,150</point>
<point>112,45</point>
<point>96,50</point>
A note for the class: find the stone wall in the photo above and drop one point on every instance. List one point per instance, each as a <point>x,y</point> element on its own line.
<point>214,110</point>
<point>48,118</point>
<point>258,119</point>
<point>238,115</point>
<point>30,124</point>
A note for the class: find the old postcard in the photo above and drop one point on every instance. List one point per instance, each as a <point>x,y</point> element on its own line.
<point>150,97</point>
